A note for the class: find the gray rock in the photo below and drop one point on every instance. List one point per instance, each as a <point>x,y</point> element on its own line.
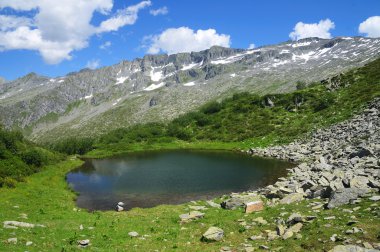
<point>343,196</point>
<point>239,201</point>
<point>193,215</point>
<point>213,234</point>
<point>291,198</point>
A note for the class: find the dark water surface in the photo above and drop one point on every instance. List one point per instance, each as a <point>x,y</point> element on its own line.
<point>171,177</point>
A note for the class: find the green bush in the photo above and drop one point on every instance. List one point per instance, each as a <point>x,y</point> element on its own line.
<point>8,182</point>
<point>211,107</point>
<point>33,157</point>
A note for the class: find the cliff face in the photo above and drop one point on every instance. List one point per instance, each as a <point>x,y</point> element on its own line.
<point>160,87</point>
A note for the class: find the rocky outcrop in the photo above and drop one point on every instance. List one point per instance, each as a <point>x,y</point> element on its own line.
<point>340,163</point>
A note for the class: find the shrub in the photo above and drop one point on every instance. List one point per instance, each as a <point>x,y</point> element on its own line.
<point>8,182</point>
<point>211,108</point>
<point>33,157</point>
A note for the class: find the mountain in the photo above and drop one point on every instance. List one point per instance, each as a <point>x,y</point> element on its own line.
<point>161,87</point>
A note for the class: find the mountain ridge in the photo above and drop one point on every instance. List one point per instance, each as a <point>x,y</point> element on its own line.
<point>160,87</point>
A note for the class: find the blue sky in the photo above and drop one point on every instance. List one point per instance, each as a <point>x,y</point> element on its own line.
<point>34,38</point>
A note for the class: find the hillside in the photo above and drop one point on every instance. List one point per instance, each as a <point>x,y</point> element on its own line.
<point>20,158</point>
<point>159,88</point>
<point>249,119</point>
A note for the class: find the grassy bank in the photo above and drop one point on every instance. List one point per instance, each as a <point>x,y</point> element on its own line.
<point>45,199</point>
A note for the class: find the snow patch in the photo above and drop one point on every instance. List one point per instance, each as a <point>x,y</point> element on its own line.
<point>120,80</point>
<point>117,101</point>
<point>155,76</point>
<point>301,44</point>
<point>154,86</point>
<point>190,66</point>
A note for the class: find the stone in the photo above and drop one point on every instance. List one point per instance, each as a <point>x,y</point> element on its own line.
<point>254,206</point>
<point>295,228</point>
<point>17,224</point>
<point>272,235</point>
<point>260,220</point>
<point>375,198</point>
<point>213,204</point>
<point>359,182</point>
<point>213,234</point>
<point>280,229</point>
<point>28,243</point>
<point>295,218</point>
<point>291,198</point>
<point>343,196</point>
<point>287,234</point>
<point>256,237</point>
<point>121,204</point>
<point>193,215</point>
<point>119,208</point>
<point>239,201</point>
<point>12,240</point>
<point>133,234</point>
<point>351,248</point>
<point>263,247</point>
<point>84,243</point>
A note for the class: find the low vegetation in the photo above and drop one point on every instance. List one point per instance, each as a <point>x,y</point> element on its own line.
<point>44,199</point>
<point>20,158</point>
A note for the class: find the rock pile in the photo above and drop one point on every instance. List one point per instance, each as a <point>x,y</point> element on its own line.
<point>341,162</point>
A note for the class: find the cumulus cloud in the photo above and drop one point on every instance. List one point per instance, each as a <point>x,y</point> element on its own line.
<point>59,27</point>
<point>320,30</point>
<point>371,27</point>
<point>105,45</point>
<point>251,46</point>
<point>184,39</point>
<point>93,64</point>
<point>160,11</point>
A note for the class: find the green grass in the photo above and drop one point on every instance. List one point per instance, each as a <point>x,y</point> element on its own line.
<point>46,199</point>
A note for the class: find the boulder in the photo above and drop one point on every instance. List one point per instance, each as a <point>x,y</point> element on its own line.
<point>291,198</point>
<point>343,196</point>
<point>254,206</point>
<point>213,234</point>
<point>239,201</point>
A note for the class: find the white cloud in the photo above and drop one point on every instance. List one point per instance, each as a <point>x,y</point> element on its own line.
<point>59,27</point>
<point>251,46</point>
<point>11,22</point>
<point>184,39</point>
<point>320,30</point>
<point>124,17</point>
<point>93,64</point>
<point>105,45</point>
<point>160,11</point>
<point>371,27</point>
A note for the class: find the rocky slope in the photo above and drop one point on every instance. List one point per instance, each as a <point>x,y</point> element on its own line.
<point>158,88</point>
<point>340,163</point>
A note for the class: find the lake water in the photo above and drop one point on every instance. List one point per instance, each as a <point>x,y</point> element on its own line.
<point>169,177</point>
